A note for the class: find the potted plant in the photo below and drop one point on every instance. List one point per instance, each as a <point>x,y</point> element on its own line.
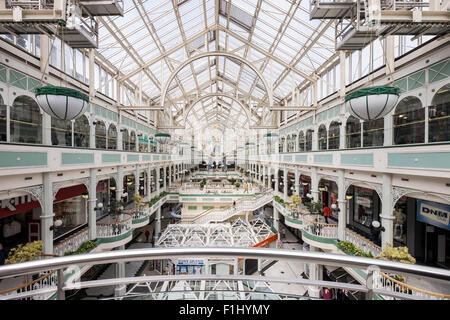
<point>297,201</point>
<point>116,208</point>
<point>23,253</point>
<point>315,207</point>
<point>237,184</point>
<point>397,254</point>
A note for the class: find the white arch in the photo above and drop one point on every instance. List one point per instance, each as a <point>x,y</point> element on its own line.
<point>209,54</point>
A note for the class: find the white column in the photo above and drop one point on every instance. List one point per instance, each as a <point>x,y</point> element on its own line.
<point>149,179</point>
<point>170,175</point>
<point>47,214</point>
<point>164,178</point>
<point>387,218</point>
<point>315,273</point>
<point>315,140</point>
<point>157,224</point>
<point>276,180</point>
<point>264,176</point>
<point>136,180</point>
<point>276,223</point>
<point>342,135</point>
<point>46,129</point>
<point>314,184</point>
<point>92,203</point>
<point>92,131</point>
<point>157,180</point>
<point>119,138</point>
<point>297,181</point>
<point>120,289</point>
<point>285,184</point>
<point>342,205</point>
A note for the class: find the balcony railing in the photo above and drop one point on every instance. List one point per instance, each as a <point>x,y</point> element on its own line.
<point>362,243</point>
<point>71,243</point>
<point>313,226</point>
<point>111,227</point>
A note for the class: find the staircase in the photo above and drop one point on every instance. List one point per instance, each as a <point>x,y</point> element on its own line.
<point>219,215</point>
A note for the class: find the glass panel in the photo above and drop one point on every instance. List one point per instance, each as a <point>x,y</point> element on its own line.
<point>439,116</point>
<point>363,205</point>
<point>100,135</point>
<point>301,141</point>
<point>56,54</point>
<point>81,132</point>
<point>79,65</point>
<point>373,133</point>
<point>26,121</point>
<point>2,120</point>
<point>133,141</point>
<point>68,56</point>
<point>353,133</point>
<point>333,136</point>
<point>61,132</point>
<point>322,137</point>
<point>112,137</point>
<point>125,140</point>
<point>308,145</point>
<point>72,212</point>
<point>409,121</point>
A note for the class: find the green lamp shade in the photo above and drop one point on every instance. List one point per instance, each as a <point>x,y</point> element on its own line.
<point>62,103</point>
<point>372,103</point>
<point>162,137</point>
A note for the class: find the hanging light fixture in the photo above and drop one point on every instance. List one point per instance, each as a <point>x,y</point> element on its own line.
<point>85,195</point>
<point>62,103</point>
<point>162,137</point>
<point>271,136</point>
<point>372,103</point>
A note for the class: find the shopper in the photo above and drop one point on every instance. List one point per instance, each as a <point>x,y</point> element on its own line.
<point>246,187</point>
<point>375,230</point>
<point>326,213</point>
<point>147,234</point>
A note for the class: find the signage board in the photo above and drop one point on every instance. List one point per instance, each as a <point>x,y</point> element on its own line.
<point>436,214</point>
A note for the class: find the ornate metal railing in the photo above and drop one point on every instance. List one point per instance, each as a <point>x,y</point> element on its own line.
<point>71,243</point>
<point>114,226</point>
<point>313,226</point>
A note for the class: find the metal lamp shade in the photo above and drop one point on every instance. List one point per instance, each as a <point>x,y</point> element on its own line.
<point>372,103</point>
<point>62,103</point>
<point>271,137</point>
<point>162,137</point>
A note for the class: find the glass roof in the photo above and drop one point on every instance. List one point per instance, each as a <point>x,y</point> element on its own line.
<point>155,37</point>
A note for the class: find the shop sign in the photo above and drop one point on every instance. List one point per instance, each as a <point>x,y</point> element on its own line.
<point>363,201</point>
<point>190,262</point>
<point>433,213</point>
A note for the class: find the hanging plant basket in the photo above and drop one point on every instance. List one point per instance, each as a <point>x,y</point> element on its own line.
<point>162,137</point>
<point>372,103</point>
<point>62,103</point>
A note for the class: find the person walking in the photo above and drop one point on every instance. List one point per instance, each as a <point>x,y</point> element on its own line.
<point>147,234</point>
<point>224,163</point>
<point>246,187</point>
<point>326,213</point>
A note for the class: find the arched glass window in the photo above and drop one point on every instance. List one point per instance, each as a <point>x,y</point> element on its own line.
<point>152,144</point>
<point>100,135</point>
<point>301,141</point>
<point>61,132</point>
<point>308,143</point>
<point>439,116</point>
<point>409,121</point>
<point>143,183</point>
<point>81,132</point>
<point>143,144</point>
<point>133,141</point>
<point>322,137</point>
<point>353,133</point>
<point>112,137</point>
<point>26,121</point>
<point>288,143</point>
<point>125,140</point>
<point>281,146</point>
<point>2,120</point>
<point>333,136</point>
<point>293,142</point>
<point>373,133</point>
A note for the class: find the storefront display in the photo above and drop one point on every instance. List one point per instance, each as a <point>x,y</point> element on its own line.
<point>363,206</point>
<point>72,212</point>
<point>400,224</point>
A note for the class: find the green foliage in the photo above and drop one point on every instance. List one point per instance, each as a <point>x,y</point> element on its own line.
<point>398,254</point>
<point>23,253</point>
<point>351,249</point>
<point>296,200</point>
<point>155,199</point>
<point>202,185</point>
<point>314,207</point>
<point>84,248</point>
<point>279,200</point>
<point>232,180</point>
<point>237,184</point>
<point>138,201</point>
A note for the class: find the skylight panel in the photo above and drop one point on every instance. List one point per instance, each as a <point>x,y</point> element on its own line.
<point>237,15</point>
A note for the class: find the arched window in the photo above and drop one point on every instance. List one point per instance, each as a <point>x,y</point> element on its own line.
<point>308,144</point>
<point>322,137</point>
<point>409,121</point>
<point>301,141</point>
<point>143,142</point>
<point>2,120</point>
<point>112,137</point>
<point>293,142</point>
<point>439,116</point>
<point>26,121</point>
<point>353,133</point>
<point>288,143</point>
<point>281,146</point>
<point>373,133</point>
<point>125,140</point>
<point>333,135</point>
<point>81,132</point>
<point>143,183</point>
<point>133,141</point>
<point>61,132</point>
<point>100,135</point>
<point>152,144</point>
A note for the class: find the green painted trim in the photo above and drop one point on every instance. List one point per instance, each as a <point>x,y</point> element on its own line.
<point>301,158</point>
<point>106,157</point>
<point>22,159</point>
<point>318,239</point>
<point>358,159</point>
<point>146,158</point>
<point>217,196</point>
<point>61,91</point>
<point>372,91</point>
<point>207,199</point>
<point>287,158</point>
<point>293,220</point>
<point>188,199</point>
<point>435,160</point>
<point>117,238</point>
<point>132,158</point>
<point>77,158</point>
<point>156,157</point>
<point>323,158</point>
<point>207,207</point>
<point>192,207</point>
<point>136,221</point>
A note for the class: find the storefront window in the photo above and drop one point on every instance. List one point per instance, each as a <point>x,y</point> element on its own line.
<point>308,144</point>
<point>81,132</point>
<point>129,187</point>
<point>363,206</point>
<point>72,212</point>
<point>322,137</point>
<point>400,211</point>
<point>281,146</point>
<point>333,136</point>
<point>409,121</point>
<point>61,132</point>
<point>26,121</point>
<point>301,141</point>
<point>293,142</point>
<point>125,140</point>
<point>2,120</point>
<point>112,137</point>
<point>133,141</point>
<point>103,196</point>
<point>143,184</point>
<point>100,135</point>
<point>373,133</point>
<point>439,116</point>
<point>353,133</point>
<point>143,142</point>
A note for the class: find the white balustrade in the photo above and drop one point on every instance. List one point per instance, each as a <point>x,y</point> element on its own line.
<point>112,227</point>
<point>312,226</point>
<point>362,243</point>
<point>72,243</point>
